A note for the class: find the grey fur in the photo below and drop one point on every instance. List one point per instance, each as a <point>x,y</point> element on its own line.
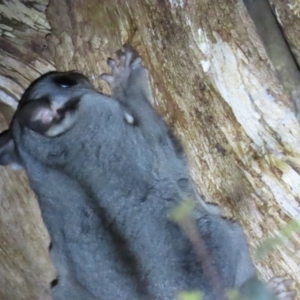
<point>106,187</point>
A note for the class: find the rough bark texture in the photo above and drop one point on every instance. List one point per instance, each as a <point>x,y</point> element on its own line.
<point>277,48</point>
<point>288,16</point>
<point>213,82</point>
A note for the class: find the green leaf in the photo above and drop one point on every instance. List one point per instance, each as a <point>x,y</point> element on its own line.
<point>278,240</point>
<point>182,211</point>
<point>192,295</point>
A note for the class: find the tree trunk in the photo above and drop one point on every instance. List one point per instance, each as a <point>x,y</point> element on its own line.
<point>288,16</point>
<point>212,81</point>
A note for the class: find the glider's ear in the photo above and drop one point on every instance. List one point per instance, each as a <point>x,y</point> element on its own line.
<point>8,154</point>
<point>48,116</point>
<point>37,115</point>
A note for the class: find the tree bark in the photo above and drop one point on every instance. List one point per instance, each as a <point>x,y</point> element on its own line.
<point>288,16</point>
<point>212,81</point>
<point>278,42</point>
